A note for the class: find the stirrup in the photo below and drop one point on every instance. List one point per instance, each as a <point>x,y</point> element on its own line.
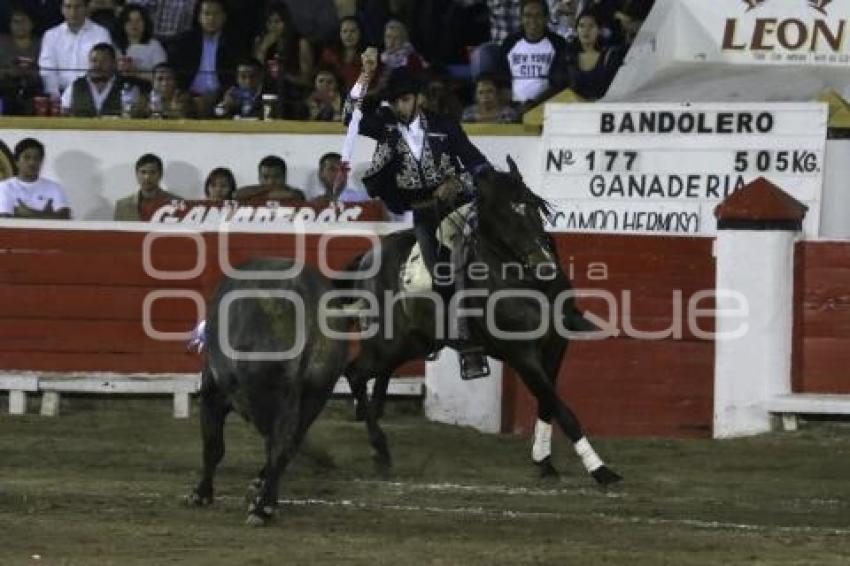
<point>473,364</point>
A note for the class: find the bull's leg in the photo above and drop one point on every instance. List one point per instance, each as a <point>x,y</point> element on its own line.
<point>214,409</point>
<point>538,383</point>
<point>280,447</point>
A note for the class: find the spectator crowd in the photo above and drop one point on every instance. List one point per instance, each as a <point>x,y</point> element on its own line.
<point>483,60</point>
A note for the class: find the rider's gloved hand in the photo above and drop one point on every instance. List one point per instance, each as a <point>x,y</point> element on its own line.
<point>448,191</point>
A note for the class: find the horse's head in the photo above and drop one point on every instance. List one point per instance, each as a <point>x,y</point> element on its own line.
<point>511,217</point>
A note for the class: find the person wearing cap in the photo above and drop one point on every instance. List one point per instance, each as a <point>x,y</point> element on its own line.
<point>423,162</point>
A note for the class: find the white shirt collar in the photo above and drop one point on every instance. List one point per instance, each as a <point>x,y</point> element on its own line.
<point>414,135</point>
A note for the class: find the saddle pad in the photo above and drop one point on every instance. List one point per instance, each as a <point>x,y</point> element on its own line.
<point>414,273</point>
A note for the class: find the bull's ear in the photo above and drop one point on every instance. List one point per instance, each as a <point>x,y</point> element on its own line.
<point>513,168</point>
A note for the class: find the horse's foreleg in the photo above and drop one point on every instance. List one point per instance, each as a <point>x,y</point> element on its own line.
<point>214,409</point>
<point>541,449</point>
<point>544,391</point>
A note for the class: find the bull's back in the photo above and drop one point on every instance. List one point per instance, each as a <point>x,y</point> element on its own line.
<point>265,333</point>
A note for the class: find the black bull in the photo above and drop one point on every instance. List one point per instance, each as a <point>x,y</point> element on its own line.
<point>280,397</point>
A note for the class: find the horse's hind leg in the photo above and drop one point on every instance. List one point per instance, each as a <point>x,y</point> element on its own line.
<point>377,438</point>
<point>214,409</point>
<point>543,390</point>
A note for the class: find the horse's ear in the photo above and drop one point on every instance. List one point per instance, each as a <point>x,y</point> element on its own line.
<point>513,168</point>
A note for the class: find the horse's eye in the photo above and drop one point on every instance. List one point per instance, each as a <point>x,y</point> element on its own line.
<point>519,207</point>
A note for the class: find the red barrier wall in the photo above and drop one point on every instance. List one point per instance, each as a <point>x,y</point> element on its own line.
<point>71,300</point>
<point>822,318</point>
<point>623,386</point>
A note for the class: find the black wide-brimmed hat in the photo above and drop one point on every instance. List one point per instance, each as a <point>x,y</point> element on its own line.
<point>402,81</point>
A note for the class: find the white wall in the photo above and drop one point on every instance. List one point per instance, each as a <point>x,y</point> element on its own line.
<point>97,167</point>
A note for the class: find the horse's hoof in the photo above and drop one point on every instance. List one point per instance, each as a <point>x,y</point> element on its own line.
<point>546,469</point>
<point>605,475</point>
<point>195,499</point>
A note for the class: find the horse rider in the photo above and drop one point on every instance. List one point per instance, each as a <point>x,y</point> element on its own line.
<point>423,162</point>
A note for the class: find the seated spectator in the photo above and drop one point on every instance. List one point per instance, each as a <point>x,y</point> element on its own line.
<point>245,98</point>
<point>325,102</point>
<point>322,185</point>
<point>440,98</point>
<point>220,184</point>
<point>343,55</point>
<point>138,51</point>
<point>272,177</point>
<point>19,78</point>
<point>205,57</point>
<point>28,195</point>
<point>65,48</point>
<point>398,51</point>
<point>148,176</point>
<point>488,107</point>
<point>165,99</point>
<point>534,58</point>
<point>591,66</point>
<point>288,58</point>
<point>101,91</point>
<point>170,18</point>
<point>605,11</point>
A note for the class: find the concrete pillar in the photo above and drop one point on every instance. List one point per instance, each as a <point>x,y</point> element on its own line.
<point>756,231</point>
<point>451,400</point>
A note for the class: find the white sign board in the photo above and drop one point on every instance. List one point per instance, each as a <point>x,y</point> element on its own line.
<point>663,168</point>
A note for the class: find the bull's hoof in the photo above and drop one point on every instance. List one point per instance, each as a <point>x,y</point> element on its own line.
<point>195,499</point>
<point>546,469</point>
<point>605,476</point>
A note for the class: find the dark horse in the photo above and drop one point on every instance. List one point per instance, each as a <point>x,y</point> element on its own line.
<point>270,361</point>
<point>509,238</point>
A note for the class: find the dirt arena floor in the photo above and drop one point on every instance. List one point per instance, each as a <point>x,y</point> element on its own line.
<point>103,484</point>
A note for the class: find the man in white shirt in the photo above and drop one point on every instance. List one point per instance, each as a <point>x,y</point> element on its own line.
<point>65,48</point>
<point>28,195</point>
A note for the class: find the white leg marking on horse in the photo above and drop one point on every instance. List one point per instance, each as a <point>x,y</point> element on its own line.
<point>588,455</point>
<point>542,447</point>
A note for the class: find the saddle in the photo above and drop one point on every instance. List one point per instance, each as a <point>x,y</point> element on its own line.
<point>414,276</point>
